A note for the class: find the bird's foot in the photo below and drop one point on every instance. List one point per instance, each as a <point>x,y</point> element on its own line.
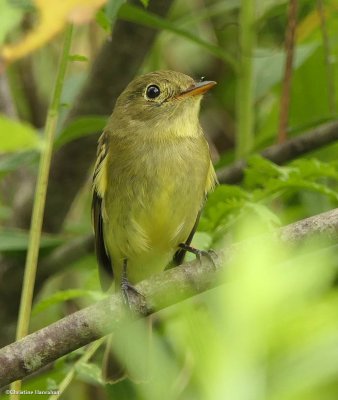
<point>210,254</point>
<point>127,289</point>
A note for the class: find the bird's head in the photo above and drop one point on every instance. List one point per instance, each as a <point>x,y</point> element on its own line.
<point>161,101</point>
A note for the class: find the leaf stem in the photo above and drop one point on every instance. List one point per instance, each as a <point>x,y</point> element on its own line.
<point>39,202</point>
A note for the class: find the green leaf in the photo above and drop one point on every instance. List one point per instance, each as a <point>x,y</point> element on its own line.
<point>264,213</point>
<point>145,3</point>
<point>135,14</point>
<point>12,161</point>
<point>269,66</point>
<point>103,20</point>
<point>315,169</point>
<point>226,200</point>
<point>212,10</point>
<point>89,372</point>
<point>17,136</point>
<point>302,184</point>
<point>226,192</point>
<point>260,170</point>
<point>52,384</point>
<point>262,7</point>
<point>17,240</point>
<point>111,10</point>
<point>64,295</point>
<point>82,126</point>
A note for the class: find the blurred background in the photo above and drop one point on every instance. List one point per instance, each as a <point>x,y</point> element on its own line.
<point>271,332</point>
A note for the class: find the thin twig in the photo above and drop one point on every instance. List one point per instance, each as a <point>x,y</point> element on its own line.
<point>282,153</point>
<point>286,85</point>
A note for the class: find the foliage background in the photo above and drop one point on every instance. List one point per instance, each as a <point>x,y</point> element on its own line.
<point>271,332</point>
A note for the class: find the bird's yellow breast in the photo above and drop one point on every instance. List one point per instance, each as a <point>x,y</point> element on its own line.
<point>152,200</point>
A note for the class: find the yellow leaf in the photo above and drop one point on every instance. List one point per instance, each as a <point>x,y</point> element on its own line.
<point>312,21</point>
<point>308,25</point>
<point>54,15</point>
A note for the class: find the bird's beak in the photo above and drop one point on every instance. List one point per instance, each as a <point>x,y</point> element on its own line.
<point>197,88</point>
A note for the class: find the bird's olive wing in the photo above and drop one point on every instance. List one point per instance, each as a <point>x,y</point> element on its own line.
<point>105,266</point>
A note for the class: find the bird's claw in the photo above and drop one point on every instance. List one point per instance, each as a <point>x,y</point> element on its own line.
<point>210,254</point>
<point>127,288</point>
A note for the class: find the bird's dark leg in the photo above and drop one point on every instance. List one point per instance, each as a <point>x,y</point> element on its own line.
<point>198,253</point>
<point>126,286</point>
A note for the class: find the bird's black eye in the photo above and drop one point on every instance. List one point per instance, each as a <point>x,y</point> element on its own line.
<point>153,91</point>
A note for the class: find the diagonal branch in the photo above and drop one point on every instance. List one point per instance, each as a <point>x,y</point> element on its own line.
<point>281,153</point>
<point>33,352</point>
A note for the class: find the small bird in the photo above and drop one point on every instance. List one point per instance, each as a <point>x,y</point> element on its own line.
<point>151,178</point>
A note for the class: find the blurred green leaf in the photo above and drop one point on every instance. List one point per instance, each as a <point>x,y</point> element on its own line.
<point>17,136</point>
<point>225,202</point>
<point>12,161</point>
<point>64,295</point>
<point>315,169</point>
<point>111,10</point>
<point>262,7</point>
<point>145,3</point>
<point>211,10</point>
<point>16,240</point>
<point>103,20</point>
<point>90,372</point>
<point>260,170</point>
<point>10,18</point>
<point>264,214</point>
<point>134,14</point>
<point>82,126</point>
<point>269,66</point>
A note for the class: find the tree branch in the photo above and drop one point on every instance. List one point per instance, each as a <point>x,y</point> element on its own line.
<point>33,352</point>
<point>281,153</point>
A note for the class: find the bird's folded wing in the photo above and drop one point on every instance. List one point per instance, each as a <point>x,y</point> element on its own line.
<point>99,187</point>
